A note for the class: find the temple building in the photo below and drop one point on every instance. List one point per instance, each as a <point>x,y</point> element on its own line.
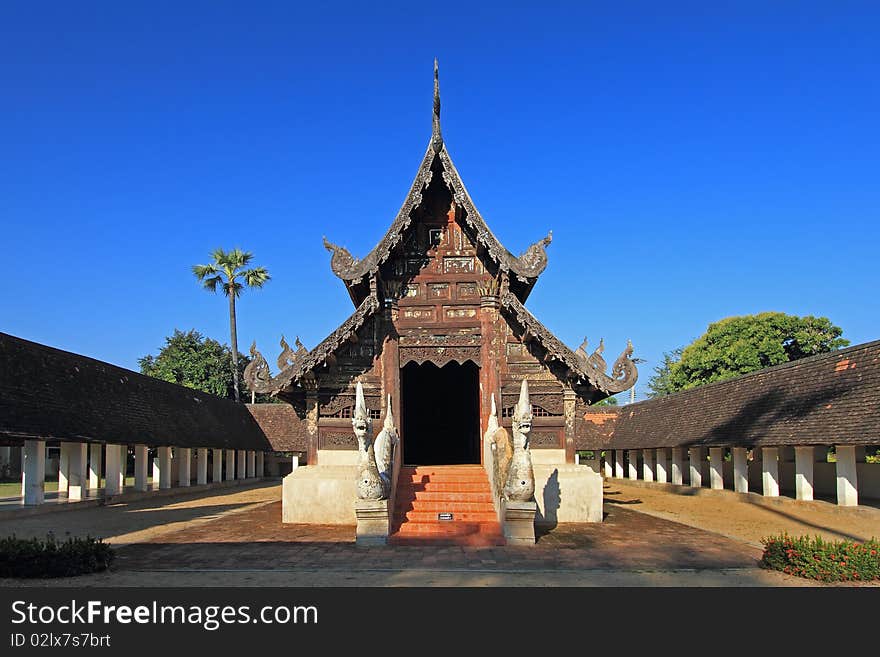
<point>439,327</point>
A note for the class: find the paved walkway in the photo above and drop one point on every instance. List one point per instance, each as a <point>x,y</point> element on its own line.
<point>236,538</point>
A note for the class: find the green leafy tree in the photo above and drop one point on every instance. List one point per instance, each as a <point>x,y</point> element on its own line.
<point>738,345</point>
<point>227,272</point>
<point>191,360</point>
<point>608,401</point>
<point>660,384</point>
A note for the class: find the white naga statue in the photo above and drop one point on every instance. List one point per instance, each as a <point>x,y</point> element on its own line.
<point>369,483</point>
<point>520,486</point>
<point>386,443</point>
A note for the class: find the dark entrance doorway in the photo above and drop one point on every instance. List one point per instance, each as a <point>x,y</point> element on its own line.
<point>441,413</point>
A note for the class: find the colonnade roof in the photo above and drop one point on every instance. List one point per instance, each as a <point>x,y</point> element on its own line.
<point>827,399</point>
<point>50,394</point>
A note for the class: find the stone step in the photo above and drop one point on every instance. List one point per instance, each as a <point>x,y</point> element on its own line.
<point>448,529</point>
<point>435,495</point>
<point>404,506</point>
<point>444,486</point>
<point>458,517</point>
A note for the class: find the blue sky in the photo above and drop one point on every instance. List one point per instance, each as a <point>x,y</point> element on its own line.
<point>693,161</point>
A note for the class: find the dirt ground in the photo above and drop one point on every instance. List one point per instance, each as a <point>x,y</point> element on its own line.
<point>723,512</point>
<point>649,538</point>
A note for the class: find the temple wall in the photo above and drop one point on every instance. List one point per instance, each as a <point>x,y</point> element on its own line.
<point>319,494</point>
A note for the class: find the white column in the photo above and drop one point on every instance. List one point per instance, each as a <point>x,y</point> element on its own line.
<point>803,472</point>
<point>618,463</point>
<point>77,479</point>
<point>202,466</point>
<point>164,454</point>
<point>141,454</point>
<point>696,457</point>
<point>609,467</point>
<point>295,461</point>
<point>261,465</point>
<point>217,456</point>
<point>96,456</point>
<point>33,474</point>
<point>230,465</point>
<point>240,465</point>
<point>678,465</point>
<point>740,470</point>
<point>64,467</point>
<point>156,471</point>
<point>112,468</point>
<point>847,478</point>
<point>716,468</point>
<point>648,464</point>
<point>251,464</point>
<point>660,466</point>
<point>633,462</point>
<point>184,465</point>
<point>123,466</point>
<point>770,471</point>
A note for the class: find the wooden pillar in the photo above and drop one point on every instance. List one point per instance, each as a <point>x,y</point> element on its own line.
<point>678,465</point>
<point>803,472</point>
<point>716,468</point>
<point>390,363</point>
<point>740,469</point>
<point>311,388</point>
<point>847,476</point>
<point>141,455</point>
<point>569,402</point>
<point>770,471</point>
<point>662,475</point>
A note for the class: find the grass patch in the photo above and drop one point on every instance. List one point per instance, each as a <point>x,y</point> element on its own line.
<point>821,560</point>
<point>37,558</point>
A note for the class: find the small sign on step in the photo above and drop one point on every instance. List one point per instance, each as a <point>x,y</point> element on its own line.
<point>444,516</point>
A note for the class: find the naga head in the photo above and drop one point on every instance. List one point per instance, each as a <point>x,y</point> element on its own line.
<point>360,419</point>
<point>522,414</point>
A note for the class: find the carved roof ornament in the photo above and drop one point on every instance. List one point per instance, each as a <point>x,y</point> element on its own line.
<point>287,356</point>
<point>534,259</point>
<point>526,267</point>
<point>342,262</point>
<point>589,369</point>
<point>256,374</point>
<point>436,137</point>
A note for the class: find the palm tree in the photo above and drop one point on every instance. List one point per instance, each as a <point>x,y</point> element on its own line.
<point>225,272</point>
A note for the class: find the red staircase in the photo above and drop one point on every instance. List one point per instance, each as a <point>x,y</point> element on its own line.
<point>426,492</point>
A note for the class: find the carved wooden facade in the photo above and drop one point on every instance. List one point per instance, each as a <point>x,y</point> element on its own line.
<point>439,287</point>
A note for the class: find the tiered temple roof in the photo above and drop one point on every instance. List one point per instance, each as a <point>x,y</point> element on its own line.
<point>515,277</point>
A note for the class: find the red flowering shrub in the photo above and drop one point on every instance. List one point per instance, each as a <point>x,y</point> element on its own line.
<point>826,561</point>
